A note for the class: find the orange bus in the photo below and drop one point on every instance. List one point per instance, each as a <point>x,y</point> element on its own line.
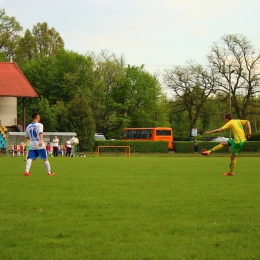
<point>149,134</point>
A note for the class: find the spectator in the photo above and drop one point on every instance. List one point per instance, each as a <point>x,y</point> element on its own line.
<point>68,152</point>
<point>48,148</point>
<point>64,152</point>
<point>196,144</point>
<point>59,151</point>
<point>55,146</point>
<point>16,150</point>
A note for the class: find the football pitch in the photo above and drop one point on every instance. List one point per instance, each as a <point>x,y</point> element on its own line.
<point>145,208</point>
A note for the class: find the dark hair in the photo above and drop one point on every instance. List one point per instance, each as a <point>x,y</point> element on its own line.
<point>228,116</point>
<point>35,114</point>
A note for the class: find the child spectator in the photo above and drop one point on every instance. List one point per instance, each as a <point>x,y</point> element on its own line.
<point>48,148</point>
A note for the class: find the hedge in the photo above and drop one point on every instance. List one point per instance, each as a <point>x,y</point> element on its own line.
<point>136,146</point>
<point>255,137</point>
<point>187,147</point>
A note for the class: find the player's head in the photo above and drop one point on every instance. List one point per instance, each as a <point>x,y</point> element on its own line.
<point>228,117</point>
<point>36,116</point>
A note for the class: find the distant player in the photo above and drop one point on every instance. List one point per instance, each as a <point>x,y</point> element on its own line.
<point>236,126</point>
<point>34,132</point>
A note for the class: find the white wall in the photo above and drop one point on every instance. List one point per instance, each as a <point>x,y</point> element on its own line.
<point>8,111</point>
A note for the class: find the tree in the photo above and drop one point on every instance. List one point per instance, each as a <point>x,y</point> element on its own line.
<point>192,85</point>
<point>41,42</point>
<point>48,41</point>
<point>48,114</point>
<point>236,61</point>
<point>82,122</point>
<point>61,76</point>
<point>10,34</point>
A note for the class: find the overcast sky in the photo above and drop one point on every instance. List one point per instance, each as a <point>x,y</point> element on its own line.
<point>157,33</point>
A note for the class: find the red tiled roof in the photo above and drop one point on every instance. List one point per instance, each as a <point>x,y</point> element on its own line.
<point>13,83</point>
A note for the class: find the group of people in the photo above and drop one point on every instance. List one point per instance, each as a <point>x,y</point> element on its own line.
<point>66,151</point>
<point>55,150</point>
<point>34,133</point>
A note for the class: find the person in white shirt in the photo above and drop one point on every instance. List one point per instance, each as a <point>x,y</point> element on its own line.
<point>34,132</point>
<point>68,152</point>
<point>55,146</point>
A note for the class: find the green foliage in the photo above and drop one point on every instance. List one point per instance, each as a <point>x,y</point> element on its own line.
<point>48,115</point>
<point>82,122</point>
<point>42,42</point>
<point>59,77</point>
<point>252,146</point>
<point>136,146</point>
<point>10,30</point>
<point>62,113</point>
<point>255,137</point>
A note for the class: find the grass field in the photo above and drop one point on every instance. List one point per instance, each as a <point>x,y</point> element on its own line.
<point>145,208</point>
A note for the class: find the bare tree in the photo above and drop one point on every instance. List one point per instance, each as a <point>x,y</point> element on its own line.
<point>236,61</point>
<point>191,85</point>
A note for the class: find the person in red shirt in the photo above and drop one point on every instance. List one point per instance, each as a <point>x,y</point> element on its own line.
<point>16,150</point>
<point>48,148</point>
<point>64,149</point>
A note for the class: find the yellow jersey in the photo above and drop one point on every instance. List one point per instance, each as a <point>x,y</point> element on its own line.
<point>236,126</point>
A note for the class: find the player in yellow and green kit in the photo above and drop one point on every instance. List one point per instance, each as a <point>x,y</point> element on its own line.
<point>238,140</point>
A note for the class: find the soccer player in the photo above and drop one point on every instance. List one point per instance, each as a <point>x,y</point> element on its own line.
<point>34,132</point>
<point>236,126</point>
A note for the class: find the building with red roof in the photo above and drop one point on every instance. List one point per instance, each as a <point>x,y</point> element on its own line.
<point>13,84</point>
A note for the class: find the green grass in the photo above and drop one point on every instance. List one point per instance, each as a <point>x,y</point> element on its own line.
<point>130,208</point>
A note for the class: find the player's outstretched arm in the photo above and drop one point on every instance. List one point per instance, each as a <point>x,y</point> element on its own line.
<point>249,128</point>
<point>213,131</point>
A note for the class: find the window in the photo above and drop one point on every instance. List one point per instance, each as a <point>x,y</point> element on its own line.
<point>163,132</point>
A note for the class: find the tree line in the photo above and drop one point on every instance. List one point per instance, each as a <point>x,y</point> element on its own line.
<point>101,92</point>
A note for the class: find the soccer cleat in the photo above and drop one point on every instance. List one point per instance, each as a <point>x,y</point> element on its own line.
<point>205,152</point>
<point>229,174</point>
<point>26,173</point>
<point>51,174</point>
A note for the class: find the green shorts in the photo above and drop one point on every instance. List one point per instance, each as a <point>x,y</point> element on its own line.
<point>235,147</point>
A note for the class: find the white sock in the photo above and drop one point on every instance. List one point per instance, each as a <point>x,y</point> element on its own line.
<point>28,165</point>
<point>47,166</point>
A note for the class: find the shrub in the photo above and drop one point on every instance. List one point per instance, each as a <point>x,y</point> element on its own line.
<point>255,137</point>
<point>136,146</point>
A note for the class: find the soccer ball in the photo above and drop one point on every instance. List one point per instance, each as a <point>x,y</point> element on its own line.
<point>74,141</point>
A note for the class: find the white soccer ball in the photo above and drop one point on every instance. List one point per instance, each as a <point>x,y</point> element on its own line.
<point>74,141</point>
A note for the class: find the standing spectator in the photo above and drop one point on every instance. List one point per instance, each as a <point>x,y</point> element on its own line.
<point>196,144</point>
<point>34,132</point>
<point>68,147</point>
<point>55,146</point>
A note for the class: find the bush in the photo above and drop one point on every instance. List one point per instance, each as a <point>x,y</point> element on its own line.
<point>255,137</point>
<point>136,146</point>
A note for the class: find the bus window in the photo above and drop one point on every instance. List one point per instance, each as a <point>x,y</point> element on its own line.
<point>163,132</point>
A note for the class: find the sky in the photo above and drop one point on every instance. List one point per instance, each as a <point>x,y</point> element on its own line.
<point>157,33</point>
